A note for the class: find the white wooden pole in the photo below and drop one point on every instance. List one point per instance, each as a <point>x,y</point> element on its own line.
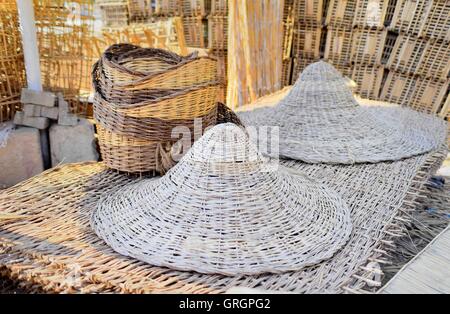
<point>29,41</point>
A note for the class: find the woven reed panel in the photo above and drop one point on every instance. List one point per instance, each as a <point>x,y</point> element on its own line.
<point>368,45</point>
<point>12,69</point>
<point>61,34</point>
<point>255,44</point>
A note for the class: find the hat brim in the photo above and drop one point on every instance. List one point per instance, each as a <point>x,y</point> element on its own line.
<point>279,224</point>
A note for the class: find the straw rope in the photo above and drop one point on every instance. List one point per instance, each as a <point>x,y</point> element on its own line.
<point>66,196</point>
<point>320,121</point>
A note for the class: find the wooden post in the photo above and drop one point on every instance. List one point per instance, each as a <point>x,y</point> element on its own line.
<point>29,41</point>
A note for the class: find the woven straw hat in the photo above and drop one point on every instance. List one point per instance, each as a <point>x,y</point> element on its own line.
<point>224,209</point>
<point>321,122</point>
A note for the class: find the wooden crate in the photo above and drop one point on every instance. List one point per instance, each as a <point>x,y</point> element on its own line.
<point>398,88</point>
<point>428,95</point>
<point>308,12</point>
<point>114,14</point>
<point>368,80</point>
<point>435,60</point>
<point>286,70</point>
<point>389,44</point>
<point>306,42</point>
<point>409,16</point>
<point>196,7</point>
<point>194,31</point>
<point>445,110</point>
<point>219,7</point>
<point>371,13</point>
<point>390,12</point>
<point>168,7</point>
<point>217,32</point>
<point>139,10</point>
<point>437,22</point>
<point>406,54</point>
<point>340,13</point>
<point>368,46</point>
<point>419,93</point>
<point>338,46</point>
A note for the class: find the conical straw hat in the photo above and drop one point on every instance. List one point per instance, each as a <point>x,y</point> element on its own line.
<point>321,122</point>
<point>224,209</point>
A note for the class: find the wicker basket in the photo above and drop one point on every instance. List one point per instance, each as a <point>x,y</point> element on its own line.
<point>142,95</point>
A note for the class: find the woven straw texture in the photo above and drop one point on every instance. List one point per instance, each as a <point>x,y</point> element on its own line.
<point>321,122</point>
<point>141,95</point>
<point>47,241</point>
<point>222,209</point>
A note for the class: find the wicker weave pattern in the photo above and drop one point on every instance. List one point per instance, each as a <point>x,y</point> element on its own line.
<point>321,122</point>
<point>141,95</point>
<point>200,216</point>
<point>376,193</point>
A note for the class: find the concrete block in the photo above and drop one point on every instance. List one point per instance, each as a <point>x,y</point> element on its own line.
<point>67,119</point>
<point>40,123</point>
<point>31,110</point>
<point>50,112</point>
<point>73,143</point>
<point>29,96</point>
<point>21,158</point>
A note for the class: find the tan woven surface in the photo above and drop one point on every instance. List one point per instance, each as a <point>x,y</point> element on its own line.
<point>222,209</point>
<point>320,121</point>
<point>55,248</point>
<point>142,95</point>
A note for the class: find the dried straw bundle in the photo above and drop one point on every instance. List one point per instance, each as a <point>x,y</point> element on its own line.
<point>201,216</point>
<point>141,95</point>
<point>321,122</point>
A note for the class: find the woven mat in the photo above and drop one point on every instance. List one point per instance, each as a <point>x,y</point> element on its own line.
<point>46,239</point>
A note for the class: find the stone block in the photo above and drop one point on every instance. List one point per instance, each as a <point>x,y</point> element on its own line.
<point>50,112</point>
<point>40,123</point>
<point>68,119</point>
<point>31,110</point>
<point>29,96</point>
<point>21,158</point>
<point>73,143</point>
